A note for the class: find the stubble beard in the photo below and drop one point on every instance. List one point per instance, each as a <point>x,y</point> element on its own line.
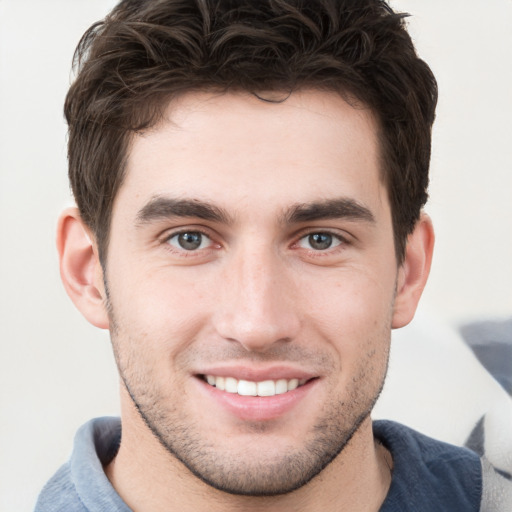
<point>237,474</point>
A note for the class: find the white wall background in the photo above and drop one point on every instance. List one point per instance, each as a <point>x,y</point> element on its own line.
<point>56,371</point>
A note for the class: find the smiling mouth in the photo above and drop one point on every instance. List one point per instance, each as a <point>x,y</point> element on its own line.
<point>250,388</point>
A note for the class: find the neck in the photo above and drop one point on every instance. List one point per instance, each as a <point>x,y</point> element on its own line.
<point>148,478</point>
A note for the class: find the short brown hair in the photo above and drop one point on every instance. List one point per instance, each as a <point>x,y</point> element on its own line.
<point>146,52</point>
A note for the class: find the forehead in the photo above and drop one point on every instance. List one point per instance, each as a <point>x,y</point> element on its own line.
<point>238,150</point>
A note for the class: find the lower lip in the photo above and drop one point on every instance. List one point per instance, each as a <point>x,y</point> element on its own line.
<point>256,408</point>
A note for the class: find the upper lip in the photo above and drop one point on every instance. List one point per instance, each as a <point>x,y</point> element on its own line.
<point>250,373</point>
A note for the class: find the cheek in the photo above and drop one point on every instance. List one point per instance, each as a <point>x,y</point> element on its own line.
<point>354,316</point>
<point>350,298</point>
<point>160,290</point>
<point>159,312</point>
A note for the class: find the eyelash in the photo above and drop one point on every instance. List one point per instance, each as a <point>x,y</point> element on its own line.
<point>342,242</point>
<point>166,241</point>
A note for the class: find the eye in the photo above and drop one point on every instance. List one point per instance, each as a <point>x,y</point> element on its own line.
<point>189,240</point>
<point>320,241</point>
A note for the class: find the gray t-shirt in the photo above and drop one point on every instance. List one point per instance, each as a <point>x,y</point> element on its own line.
<point>428,475</point>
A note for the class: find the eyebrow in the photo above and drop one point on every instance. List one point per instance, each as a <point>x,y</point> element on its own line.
<point>159,208</point>
<point>329,209</point>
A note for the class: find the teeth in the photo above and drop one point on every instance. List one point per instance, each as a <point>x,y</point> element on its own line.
<point>249,388</point>
<point>292,384</point>
<point>231,385</point>
<point>220,383</point>
<point>266,388</point>
<point>281,386</point>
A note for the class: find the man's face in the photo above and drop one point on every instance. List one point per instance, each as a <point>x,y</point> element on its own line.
<point>251,251</point>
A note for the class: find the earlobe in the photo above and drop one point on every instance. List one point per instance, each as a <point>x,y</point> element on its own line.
<point>80,268</point>
<point>414,271</point>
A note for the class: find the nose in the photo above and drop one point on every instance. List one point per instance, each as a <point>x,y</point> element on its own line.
<point>258,306</point>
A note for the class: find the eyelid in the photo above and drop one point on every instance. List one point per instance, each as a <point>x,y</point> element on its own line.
<point>205,239</point>
<point>335,233</point>
<point>168,234</point>
<point>337,240</point>
<point>187,228</point>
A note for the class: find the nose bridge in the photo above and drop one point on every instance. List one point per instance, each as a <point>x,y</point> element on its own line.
<point>256,307</point>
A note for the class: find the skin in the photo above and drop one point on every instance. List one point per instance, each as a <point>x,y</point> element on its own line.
<point>258,296</point>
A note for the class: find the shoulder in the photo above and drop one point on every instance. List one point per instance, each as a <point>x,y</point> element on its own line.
<point>429,474</point>
<point>81,485</point>
<point>59,494</point>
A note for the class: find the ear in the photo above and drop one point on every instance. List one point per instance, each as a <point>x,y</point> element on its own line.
<point>80,268</point>
<point>413,273</point>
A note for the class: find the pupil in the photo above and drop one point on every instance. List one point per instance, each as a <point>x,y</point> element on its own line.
<point>320,241</point>
<point>190,241</point>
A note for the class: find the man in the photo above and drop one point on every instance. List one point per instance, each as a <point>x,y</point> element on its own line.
<point>249,179</point>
